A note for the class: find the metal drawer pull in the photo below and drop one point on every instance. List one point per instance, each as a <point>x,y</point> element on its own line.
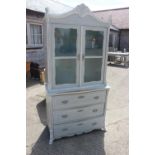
<point>64,129</point>
<point>95,110</point>
<point>64,116</point>
<point>80,110</point>
<point>80,97</point>
<point>96,97</point>
<point>94,123</point>
<point>80,124</point>
<point>65,101</point>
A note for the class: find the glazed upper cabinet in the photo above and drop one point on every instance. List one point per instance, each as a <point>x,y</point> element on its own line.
<point>76,49</point>
<point>78,55</point>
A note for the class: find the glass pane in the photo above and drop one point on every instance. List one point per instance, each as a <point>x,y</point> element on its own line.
<point>31,29</point>
<point>32,39</point>
<point>65,42</point>
<point>65,71</point>
<point>92,69</point>
<point>36,34</point>
<point>35,39</point>
<point>39,29</point>
<point>39,39</point>
<point>94,43</point>
<point>35,29</point>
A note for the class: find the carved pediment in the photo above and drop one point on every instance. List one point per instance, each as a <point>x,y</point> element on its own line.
<point>81,11</point>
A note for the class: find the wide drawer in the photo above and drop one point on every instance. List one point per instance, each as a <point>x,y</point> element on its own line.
<point>78,99</point>
<point>76,128</point>
<point>63,116</point>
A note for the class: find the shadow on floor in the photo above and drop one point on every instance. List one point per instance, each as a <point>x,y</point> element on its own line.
<point>86,144</point>
<point>31,82</point>
<point>118,65</point>
<point>41,108</point>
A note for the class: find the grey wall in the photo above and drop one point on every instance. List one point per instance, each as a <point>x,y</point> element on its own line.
<point>113,40</point>
<point>124,39</point>
<point>37,55</point>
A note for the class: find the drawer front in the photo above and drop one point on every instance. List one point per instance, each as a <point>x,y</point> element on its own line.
<point>78,100</point>
<point>63,116</point>
<point>71,129</point>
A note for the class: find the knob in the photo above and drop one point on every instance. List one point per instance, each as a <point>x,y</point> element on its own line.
<point>95,110</point>
<point>80,97</point>
<point>64,116</point>
<point>96,97</point>
<point>65,101</point>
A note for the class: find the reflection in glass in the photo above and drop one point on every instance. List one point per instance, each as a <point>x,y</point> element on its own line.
<point>65,71</point>
<point>94,43</point>
<point>92,69</point>
<point>65,42</point>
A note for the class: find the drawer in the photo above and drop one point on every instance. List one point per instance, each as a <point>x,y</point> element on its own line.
<point>63,116</point>
<point>78,100</point>
<point>76,128</point>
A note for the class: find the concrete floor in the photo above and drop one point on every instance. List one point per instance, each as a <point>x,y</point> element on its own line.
<point>113,142</point>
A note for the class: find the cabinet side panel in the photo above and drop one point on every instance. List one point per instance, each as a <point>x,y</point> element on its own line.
<point>105,104</point>
<point>106,55</point>
<point>49,110</point>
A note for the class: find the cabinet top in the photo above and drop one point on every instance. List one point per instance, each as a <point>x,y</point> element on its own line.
<point>80,15</point>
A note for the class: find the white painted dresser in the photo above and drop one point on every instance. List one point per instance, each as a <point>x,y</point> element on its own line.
<point>77,45</point>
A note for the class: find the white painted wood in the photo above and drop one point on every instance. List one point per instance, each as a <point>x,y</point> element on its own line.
<point>49,111</point>
<point>83,53</point>
<point>72,90</point>
<point>77,108</point>
<point>78,99</point>
<point>53,26</point>
<point>49,54</point>
<point>65,116</point>
<point>84,28</point>
<point>81,15</point>
<point>79,127</point>
<point>106,54</point>
<point>105,106</point>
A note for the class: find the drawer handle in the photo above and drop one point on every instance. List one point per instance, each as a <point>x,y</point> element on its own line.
<point>94,123</point>
<point>80,110</point>
<point>96,97</point>
<point>64,129</point>
<point>80,97</point>
<point>95,110</point>
<point>80,124</point>
<point>65,101</point>
<point>64,116</point>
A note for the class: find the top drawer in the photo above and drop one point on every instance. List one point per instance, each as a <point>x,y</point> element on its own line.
<point>78,100</point>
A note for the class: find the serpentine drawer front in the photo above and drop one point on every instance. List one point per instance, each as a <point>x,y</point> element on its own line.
<point>78,100</point>
<point>63,116</point>
<point>79,127</point>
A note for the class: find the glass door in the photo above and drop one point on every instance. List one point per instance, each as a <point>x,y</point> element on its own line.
<point>65,55</point>
<point>92,56</point>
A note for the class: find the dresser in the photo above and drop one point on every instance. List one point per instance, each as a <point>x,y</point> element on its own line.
<point>76,88</point>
